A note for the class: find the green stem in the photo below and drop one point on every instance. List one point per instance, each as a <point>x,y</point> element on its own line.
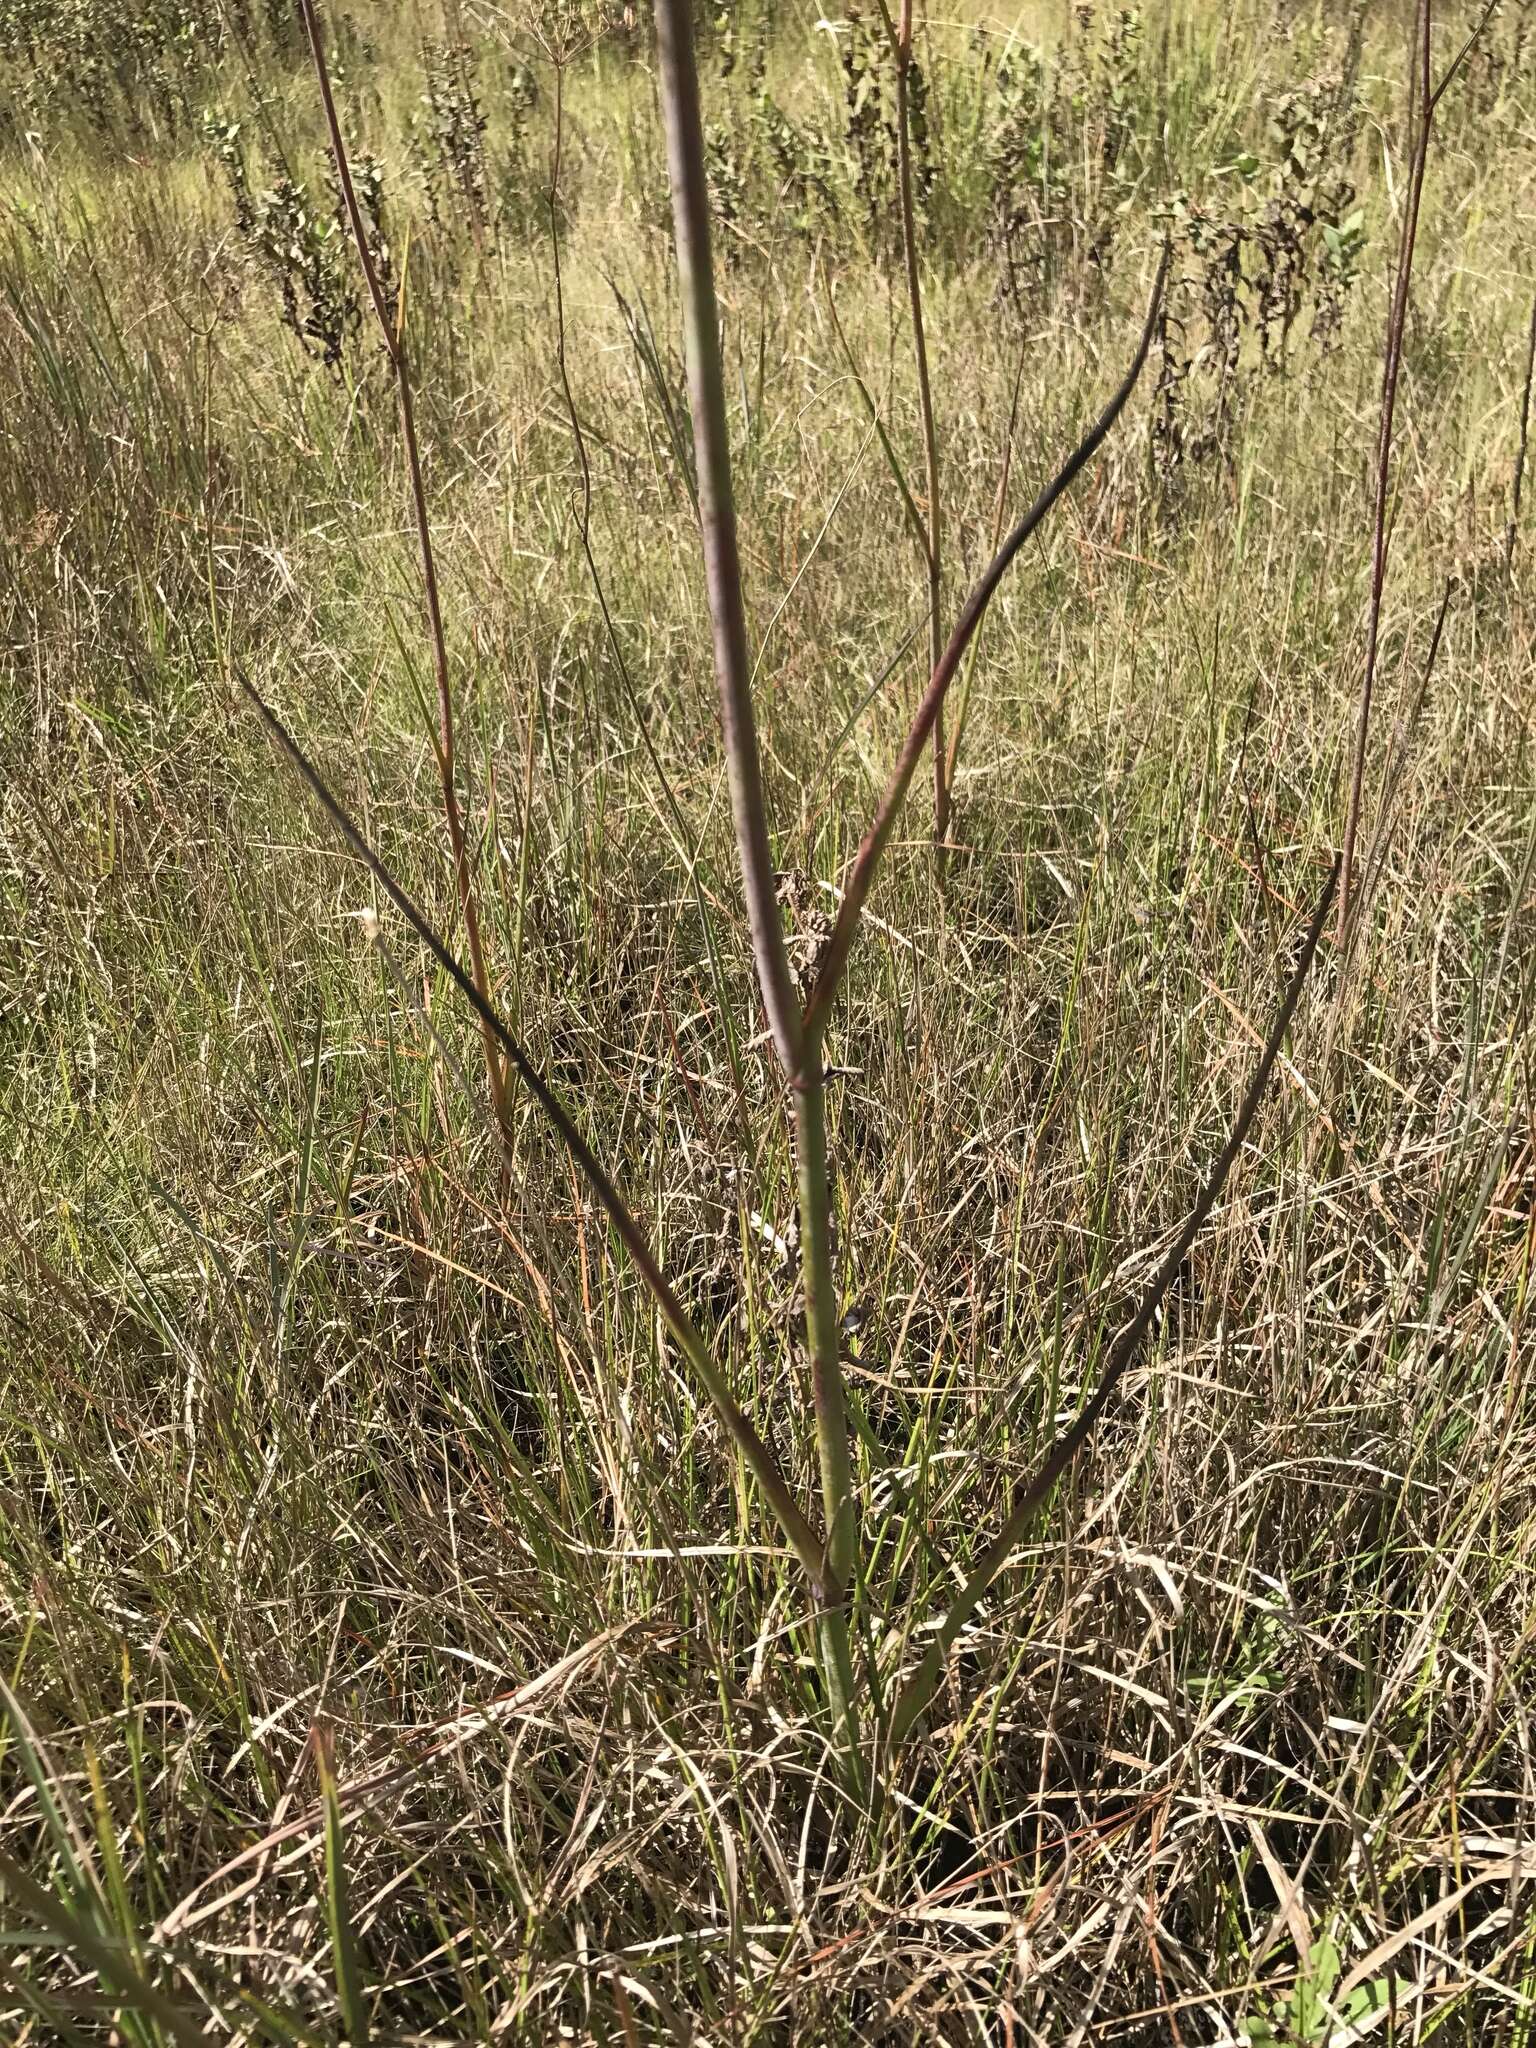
<point>717,519</point>
<point>827,1387</point>
<point>800,1055</point>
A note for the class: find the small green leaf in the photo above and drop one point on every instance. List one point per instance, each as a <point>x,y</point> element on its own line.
<point>1327,1966</point>
<point>349,1982</point>
<point>1367,1999</point>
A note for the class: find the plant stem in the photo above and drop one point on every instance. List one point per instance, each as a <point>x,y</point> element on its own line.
<point>717,518</point>
<point>801,1059</point>
<point>394,344</point>
<point>1524,442</point>
<point>867,862</point>
<point>828,1395</point>
<point>933,535</point>
<point>822,1318</point>
<point>1419,93</point>
<point>1424,99</point>
<point>914,1699</point>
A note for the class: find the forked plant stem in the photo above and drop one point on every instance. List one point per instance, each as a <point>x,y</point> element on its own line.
<point>722,567</point>
<point>394,344</point>
<point>800,1040</point>
<point>901,39</point>
<point>913,1702</point>
<point>867,861</point>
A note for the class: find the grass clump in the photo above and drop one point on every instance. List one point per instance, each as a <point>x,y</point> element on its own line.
<point>396,1645</point>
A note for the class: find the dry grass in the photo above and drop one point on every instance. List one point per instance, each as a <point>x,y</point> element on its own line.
<point>307,1421</point>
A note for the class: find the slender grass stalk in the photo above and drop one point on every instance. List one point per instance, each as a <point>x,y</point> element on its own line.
<point>394,344</point>
<point>802,1538</point>
<point>872,413</point>
<point>1424,99</point>
<point>1523,444</point>
<point>828,1396</point>
<point>717,519</point>
<point>867,861</point>
<point>933,530</point>
<point>1419,94</point>
<point>722,567</point>
<point>913,1701</point>
<point>1397,754</point>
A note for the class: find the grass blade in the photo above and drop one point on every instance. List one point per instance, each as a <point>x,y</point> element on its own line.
<point>111,1962</point>
<point>338,1914</point>
<point>919,1691</point>
<point>760,1460</point>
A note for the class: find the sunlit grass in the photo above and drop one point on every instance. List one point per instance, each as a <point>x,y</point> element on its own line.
<point>306,1419</point>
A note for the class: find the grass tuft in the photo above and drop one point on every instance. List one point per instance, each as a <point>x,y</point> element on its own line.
<point>330,1400</point>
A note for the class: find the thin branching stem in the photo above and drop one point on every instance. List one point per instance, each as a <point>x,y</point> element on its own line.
<point>933,531</point>
<point>865,865</point>
<point>913,1701</point>
<point>717,518</point>
<point>806,1544</point>
<point>394,344</point>
<point>722,565</point>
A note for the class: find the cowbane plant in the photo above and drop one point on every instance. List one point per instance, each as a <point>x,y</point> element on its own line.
<point>870,1709</point>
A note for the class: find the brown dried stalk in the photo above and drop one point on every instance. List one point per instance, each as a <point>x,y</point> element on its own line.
<point>933,533</point>
<point>1524,441</point>
<point>1425,100</point>
<point>867,862</point>
<point>919,1690</point>
<point>443,744</point>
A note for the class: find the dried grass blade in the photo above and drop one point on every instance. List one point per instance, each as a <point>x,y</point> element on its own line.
<point>920,1688</point>
<point>760,1460</point>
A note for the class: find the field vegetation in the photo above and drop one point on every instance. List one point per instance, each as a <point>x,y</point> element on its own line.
<point>400,1641</point>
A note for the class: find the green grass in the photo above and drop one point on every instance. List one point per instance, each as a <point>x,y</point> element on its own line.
<point>313,1420</point>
